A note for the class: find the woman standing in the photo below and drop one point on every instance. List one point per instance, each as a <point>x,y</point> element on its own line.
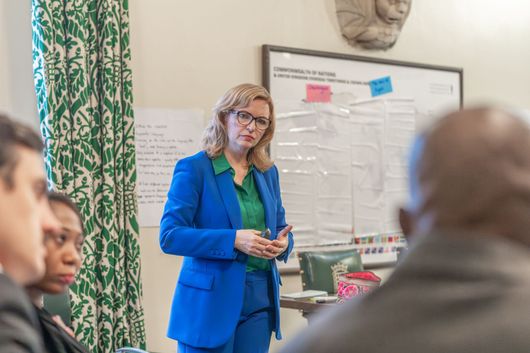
<point>224,214</point>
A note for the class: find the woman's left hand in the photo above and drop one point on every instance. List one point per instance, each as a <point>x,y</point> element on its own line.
<point>278,245</point>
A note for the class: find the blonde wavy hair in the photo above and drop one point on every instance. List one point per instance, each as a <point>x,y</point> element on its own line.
<point>215,137</point>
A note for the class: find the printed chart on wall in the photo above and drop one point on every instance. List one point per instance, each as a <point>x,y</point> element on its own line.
<point>163,136</point>
<point>335,111</point>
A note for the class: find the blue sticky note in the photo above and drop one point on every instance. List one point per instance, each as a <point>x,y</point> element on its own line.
<point>381,86</point>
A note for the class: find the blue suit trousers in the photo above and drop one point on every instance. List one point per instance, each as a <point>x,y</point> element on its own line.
<point>256,322</point>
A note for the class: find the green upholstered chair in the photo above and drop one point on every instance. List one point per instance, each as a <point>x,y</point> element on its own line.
<point>59,304</point>
<point>320,269</point>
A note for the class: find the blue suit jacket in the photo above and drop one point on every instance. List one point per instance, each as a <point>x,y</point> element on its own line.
<point>200,220</point>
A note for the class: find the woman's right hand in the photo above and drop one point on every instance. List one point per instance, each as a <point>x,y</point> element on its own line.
<point>250,242</point>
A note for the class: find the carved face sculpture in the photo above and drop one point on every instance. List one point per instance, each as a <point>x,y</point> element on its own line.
<point>372,24</point>
<point>393,12</point>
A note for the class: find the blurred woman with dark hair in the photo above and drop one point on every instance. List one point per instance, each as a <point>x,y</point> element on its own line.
<point>63,260</point>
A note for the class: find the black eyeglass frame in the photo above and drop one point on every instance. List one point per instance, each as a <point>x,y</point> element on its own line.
<point>254,118</point>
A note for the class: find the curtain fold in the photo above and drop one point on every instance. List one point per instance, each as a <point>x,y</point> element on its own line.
<point>83,82</point>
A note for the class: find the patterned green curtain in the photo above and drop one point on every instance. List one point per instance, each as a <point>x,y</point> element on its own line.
<point>82,75</point>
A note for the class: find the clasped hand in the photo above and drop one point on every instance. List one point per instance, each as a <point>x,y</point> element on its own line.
<point>250,242</point>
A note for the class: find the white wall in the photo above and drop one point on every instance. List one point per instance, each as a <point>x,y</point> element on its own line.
<point>17,96</point>
<point>4,97</point>
<point>186,53</point>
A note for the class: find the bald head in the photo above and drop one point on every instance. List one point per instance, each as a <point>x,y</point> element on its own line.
<point>471,171</point>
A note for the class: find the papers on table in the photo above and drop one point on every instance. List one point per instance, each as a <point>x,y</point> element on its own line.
<point>305,294</point>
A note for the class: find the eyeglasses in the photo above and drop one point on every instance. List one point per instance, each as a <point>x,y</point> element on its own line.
<point>245,119</point>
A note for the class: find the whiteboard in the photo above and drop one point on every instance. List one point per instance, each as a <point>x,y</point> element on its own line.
<point>294,76</point>
<point>290,73</point>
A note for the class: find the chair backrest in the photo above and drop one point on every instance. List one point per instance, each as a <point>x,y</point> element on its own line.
<point>320,269</point>
<point>59,304</point>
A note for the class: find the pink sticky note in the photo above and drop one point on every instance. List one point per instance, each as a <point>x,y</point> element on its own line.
<point>318,93</point>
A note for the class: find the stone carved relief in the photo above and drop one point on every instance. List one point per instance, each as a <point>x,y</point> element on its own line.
<point>372,24</point>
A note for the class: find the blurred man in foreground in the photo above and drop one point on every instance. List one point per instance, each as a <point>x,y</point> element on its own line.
<point>25,216</point>
<point>464,284</point>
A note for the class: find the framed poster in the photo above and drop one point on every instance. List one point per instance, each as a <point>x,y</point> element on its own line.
<point>292,74</point>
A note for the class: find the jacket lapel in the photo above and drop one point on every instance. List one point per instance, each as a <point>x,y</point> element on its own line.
<point>267,200</point>
<point>225,183</point>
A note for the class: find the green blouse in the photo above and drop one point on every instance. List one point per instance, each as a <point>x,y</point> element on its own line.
<point>252,211</point>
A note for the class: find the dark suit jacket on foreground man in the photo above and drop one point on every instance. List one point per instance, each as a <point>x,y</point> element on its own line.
<point>464,285</point>
<point>18,321</point>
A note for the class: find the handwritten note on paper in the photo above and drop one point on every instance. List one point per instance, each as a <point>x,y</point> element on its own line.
<point>163,136</point>
<point>381,86</point>
<point>318,93</point>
